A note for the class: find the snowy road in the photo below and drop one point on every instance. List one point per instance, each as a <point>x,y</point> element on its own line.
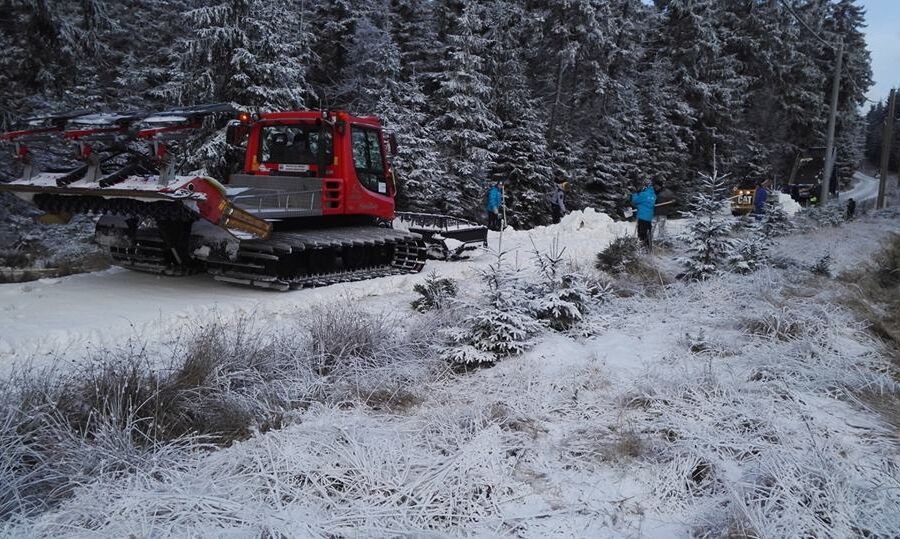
<point>46,320</point>
<point>866,188</point>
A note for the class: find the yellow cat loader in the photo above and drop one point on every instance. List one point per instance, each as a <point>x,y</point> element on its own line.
<point>742,198</point>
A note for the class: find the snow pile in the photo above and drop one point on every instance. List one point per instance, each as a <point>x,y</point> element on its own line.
<point>587,220</point>
<point>788,204</point>
<point>583,234</point>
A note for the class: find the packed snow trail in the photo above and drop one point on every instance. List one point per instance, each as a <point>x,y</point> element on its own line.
<point>45,319</point>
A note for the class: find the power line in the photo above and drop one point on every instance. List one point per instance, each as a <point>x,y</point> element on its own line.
<point>808,29</point>
<point>824,41</point>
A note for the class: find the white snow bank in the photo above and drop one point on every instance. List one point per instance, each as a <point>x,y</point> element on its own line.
<point>589,219</point>
<point>583,233</point>
<point>788,204</point>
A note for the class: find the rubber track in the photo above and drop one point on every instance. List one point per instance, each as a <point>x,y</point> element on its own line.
<point>256,258</point>
<point>148,254</point>
<point>250,267</point>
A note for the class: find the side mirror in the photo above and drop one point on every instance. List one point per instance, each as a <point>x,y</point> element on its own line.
<point>392,143</point>
<point>236,132</point>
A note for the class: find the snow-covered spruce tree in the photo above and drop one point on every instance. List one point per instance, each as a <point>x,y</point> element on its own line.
<point>420,173</point>
<point>619,160</point>
<point>616,147</point>
<point>709,233</point>
<point>846,21</point>
<point>465,126</point>
<point>56,55</point>
<point>619,256</point>
<point>831,214</point>
<point>752,35</point>
<point>522,158</point>
<point>412,27</point>
<point>375,85</point>
<point>664,132</point>
<point>568,74</point>
<point>434,293</point>
<point>562,298</point>
<point>149,43</point>
<point>252,53</point>
<point>875,133</point>
<point>707,80</point>
<point>334,23</point>
<point>569,58</point>
<point>418,166</point>
<point>822,266</point>
<point>500,326</point>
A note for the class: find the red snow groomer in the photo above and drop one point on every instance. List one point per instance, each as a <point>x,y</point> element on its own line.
<point>311,204</point>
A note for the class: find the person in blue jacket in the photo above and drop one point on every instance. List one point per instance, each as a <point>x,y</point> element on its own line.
<point>759,199</point>
<point>494,201</point>
<point>645,202</point>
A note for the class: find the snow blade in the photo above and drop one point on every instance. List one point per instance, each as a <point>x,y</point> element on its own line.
<point>447,237</point>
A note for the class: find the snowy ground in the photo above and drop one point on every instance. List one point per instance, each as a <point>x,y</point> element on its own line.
<point>47,319</point>
<point>692,408</point>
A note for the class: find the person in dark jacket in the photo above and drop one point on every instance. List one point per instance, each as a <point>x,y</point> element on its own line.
<point>665,206</point>
<point>645,202</point>
<point>760,196</point>
<point>851,209</point>
<point>558,201</point>
<point>494,201</point>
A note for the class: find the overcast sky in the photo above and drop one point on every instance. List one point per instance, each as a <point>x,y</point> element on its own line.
<point>883,36</point>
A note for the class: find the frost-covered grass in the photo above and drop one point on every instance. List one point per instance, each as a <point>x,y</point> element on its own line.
<point>336,474</point>
<point>773,447</point>
<point>225,381</point>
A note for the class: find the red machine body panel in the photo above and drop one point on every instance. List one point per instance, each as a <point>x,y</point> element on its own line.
<point>355,175</point>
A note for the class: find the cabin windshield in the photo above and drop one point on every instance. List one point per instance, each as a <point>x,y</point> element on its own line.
<point>295,144</point>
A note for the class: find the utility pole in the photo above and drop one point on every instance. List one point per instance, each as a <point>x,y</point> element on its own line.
<point>832,117</point>
<point>887,142</point>
<point>896,97</point>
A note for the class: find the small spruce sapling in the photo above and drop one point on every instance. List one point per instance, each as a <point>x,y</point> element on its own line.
<point>619,255</point>
<point>822,266</point>
<point>709,232</point>
<point>563,298</point>
<point>775,221</point>
<point>751,251</point>
<point>830,214</point>
<point>501,326</point>
<point>435,293</point>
